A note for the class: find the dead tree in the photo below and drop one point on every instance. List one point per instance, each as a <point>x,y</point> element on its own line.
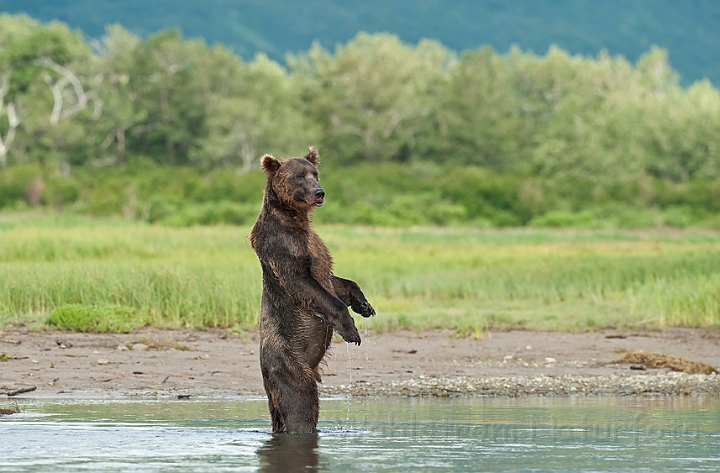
<point>79,96</point>
<point>13,120</point>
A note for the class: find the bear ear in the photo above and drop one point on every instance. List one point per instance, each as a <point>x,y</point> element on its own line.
<point>313,156</point>
<point>269,164</point>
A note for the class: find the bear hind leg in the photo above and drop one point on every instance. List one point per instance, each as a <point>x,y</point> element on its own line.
<point>278,422</point>
<point>293,396</point>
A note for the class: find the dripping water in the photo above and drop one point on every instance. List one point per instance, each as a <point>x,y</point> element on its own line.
<point>367,352</point>
<point>366,339</point>
<point>349,367</point>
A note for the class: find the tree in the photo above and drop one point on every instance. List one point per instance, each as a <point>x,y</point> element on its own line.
<point>47,71</point>
<point>12,119</point>
<point>164,80</point>
<point>260,115</point>
<point>374,96</point>
<point>481,119</point>
<point>120,102</point>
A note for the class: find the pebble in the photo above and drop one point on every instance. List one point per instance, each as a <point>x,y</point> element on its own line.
<point>518,386</point>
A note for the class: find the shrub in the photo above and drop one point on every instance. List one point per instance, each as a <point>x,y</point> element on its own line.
<point>562,218</point>
<point>212,213</point>
<point>60,192</point>
<point>14,183</point>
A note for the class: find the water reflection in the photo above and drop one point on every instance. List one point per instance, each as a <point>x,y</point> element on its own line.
<point>285,453</point>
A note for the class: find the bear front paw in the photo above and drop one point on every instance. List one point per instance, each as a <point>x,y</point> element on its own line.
<point>363,308</point>
<point>350,336</point>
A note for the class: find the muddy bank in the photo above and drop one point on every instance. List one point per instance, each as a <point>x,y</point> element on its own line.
<point>154,362</point>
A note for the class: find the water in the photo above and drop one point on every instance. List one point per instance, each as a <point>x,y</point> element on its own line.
<point>423,435</point>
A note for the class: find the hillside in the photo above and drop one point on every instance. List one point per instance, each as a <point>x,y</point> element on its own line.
<point>689,30</point>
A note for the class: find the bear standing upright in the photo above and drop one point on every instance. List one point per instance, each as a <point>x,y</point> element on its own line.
<point>302,301</point>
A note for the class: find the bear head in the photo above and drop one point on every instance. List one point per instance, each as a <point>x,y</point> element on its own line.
<point>295,181</point>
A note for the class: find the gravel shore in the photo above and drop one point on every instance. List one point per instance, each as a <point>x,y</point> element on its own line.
<point>663,384</point>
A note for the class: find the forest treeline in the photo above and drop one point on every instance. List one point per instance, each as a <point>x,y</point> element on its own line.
<point>171,130</point>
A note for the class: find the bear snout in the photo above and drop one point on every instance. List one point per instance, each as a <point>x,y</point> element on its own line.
<point>319,197</point>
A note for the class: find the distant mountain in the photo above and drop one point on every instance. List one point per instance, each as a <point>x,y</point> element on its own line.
<point>688,29</point>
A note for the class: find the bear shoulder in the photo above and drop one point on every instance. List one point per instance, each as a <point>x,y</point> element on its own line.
<point>272,240</point>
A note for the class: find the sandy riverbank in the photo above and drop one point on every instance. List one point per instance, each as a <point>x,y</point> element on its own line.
<point>214,363</point>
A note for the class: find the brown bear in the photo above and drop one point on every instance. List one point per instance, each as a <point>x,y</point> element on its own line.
<point>302,300</point>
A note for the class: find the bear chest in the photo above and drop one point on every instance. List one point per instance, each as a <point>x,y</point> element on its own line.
<point>320,260</point>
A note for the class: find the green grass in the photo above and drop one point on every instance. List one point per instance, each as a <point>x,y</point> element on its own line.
<point>83,318</point>
<point>127,275</point>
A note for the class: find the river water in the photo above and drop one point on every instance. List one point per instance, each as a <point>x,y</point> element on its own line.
<point>398,434</point>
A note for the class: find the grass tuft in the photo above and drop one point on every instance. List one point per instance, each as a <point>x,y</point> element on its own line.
<point>82,318</point>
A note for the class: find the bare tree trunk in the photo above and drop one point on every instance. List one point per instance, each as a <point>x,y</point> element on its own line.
<point>57,88</point>
<point>247,151</point>
<point>117,135</point>
<point>13,120</point>
<point>10,135</point>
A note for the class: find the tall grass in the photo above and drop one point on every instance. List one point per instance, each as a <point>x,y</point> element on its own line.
<point>464,279</point>
<point>193,277</point>
<point>537,279</point>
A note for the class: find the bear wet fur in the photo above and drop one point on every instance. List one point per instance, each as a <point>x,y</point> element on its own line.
<point>302,300</point>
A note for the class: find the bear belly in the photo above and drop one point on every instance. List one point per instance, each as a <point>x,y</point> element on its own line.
<point>318,336</point>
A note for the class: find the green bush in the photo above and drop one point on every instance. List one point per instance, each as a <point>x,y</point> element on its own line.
<point>380,194</point>
<point>212,213</point>
<point>105,196</point>
<point>229,185</point>
<point>680,216</point>
<point>60,192</point>
<point>159,208</point>
<point>82,318</point>
<point>562,218</point>
<point>696,194</point>
<point>14,183</point>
